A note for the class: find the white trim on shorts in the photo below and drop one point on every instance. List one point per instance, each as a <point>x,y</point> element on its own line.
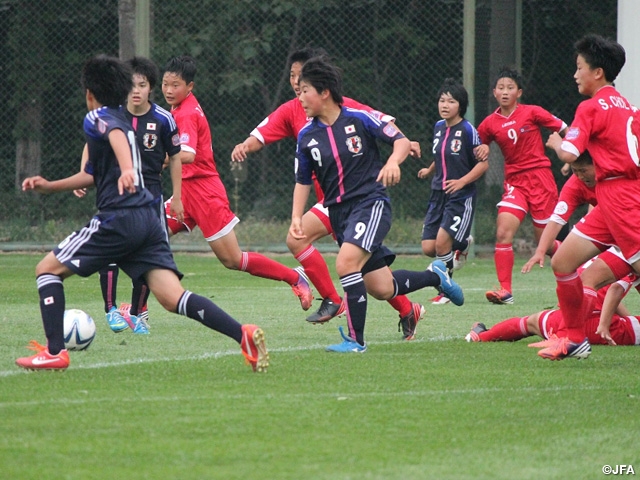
<point>635,324</point>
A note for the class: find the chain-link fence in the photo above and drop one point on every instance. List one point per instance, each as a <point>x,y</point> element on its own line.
<point>394,54</point>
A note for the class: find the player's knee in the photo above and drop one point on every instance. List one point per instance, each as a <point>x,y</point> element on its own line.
<point>295,246</point>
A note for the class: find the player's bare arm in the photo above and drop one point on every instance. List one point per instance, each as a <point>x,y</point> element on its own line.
<point>481,152</point>
<point>416,152</point>
<point>390,173</point>
<point>250,145</point>
<point>42,185</point>
<point>549,234</point>
<point>175,170</point>
<point>187,157</point>
<point>428,171</point>
<point>614,296</point>
<point>300,196</point>
<point>454,185</point>
<point>81,192</point>
<point>555,143</point>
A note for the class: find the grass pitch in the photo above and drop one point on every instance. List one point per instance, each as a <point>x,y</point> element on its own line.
<point>181,404</point>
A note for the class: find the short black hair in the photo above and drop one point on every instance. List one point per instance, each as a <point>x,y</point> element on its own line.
<point>323,75</point>
<point>146,68</point>
<point>600,52</point>
<point>303,54</point>
<point>508,72</point>
<point>108,79</point>
<point>583,159</point>
<point>457,91</point>
<point>182,65</point>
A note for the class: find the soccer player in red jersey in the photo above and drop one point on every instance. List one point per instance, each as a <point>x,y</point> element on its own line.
<point>286,122</point>
<point>608,126</point>
<point>203,195</point>
<point>609,323</point>
<point>529,186</point>
<point>580,189</point>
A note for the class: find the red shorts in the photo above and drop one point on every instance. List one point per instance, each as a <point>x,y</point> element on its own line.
<point>624,330</point>
<point>532,191</point>
<point>205,205</point>
<point>322,213</point>
<point>616,218</point>
<point>618,265</point>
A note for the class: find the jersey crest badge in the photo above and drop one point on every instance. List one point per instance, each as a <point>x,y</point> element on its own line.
<point>572,134</point>
<point>175,140</point>
<point>349,129</point>
<point>150,140</point>
<point>390,130</point>
<point>456,145</point>
<point>458,133</point>
<point>102,126</point>
<point>184,139</point>
<point>151,126</point>
<point>354,144</point>
<point>561,208</point>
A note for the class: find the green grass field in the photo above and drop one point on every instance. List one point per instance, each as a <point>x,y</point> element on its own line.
<point>180,403</point>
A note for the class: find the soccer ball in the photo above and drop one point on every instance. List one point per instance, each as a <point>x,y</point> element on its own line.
<point>79,329</point>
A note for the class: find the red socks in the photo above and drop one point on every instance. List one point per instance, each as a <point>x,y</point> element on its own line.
<point>504,260</point>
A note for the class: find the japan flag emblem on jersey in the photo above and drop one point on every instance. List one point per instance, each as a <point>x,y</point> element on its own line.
<point>354,144</point>
<point>150,140</point>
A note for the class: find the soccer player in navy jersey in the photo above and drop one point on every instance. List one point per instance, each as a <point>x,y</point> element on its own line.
<point>126,230</point>
<point>459,160</point>
<point>286,121</point>
<point>158,139</point>
<point>339,146</point>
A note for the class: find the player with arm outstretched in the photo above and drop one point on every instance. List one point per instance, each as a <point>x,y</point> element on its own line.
<point>529,186</point>
<point>126,230</point>
<point>286,122</point>
<point>339,146</point>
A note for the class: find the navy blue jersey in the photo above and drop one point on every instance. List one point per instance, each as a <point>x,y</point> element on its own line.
<point>344,156</point>
<point>103,165</point>
<point>157,136</point>
<point>454,157</point>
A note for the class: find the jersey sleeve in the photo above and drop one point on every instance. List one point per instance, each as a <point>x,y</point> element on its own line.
<point>484,131</point>
<point>188,125</point>
<point>278,125</point>
<point>170,136</point>
<point>303,166</point>
<point>575,141</point>
<point>546,119</point>
<point>571,197</point>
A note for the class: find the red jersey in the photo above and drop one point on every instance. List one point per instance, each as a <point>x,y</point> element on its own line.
<point>195,137</point>
<point>519,137</point>
<point>287,120</point>
<point>573,194</point>
<point>609,127</point>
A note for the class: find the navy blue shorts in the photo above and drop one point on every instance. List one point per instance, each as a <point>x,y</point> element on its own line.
<point>133,238</point>
<point>364,223</point>
<point>454,215</point>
